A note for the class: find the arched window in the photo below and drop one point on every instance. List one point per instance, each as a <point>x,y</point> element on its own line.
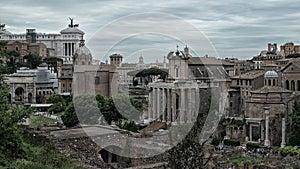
<point>270,82</point>
<point>287,85</point>
<point>298,85</point>
<point>293,85</point>
<point>97,80</point>
<point>274,82</point>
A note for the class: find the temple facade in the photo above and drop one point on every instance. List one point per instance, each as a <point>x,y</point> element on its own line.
<point>191,82</point>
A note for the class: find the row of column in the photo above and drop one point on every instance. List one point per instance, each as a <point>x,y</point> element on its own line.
<point>170,105</point>
<point>69,49</point>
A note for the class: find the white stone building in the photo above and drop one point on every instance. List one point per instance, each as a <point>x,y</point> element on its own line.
<point>62,45</point>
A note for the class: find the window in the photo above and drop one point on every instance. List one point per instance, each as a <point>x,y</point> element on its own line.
<point>63,85</point>
<point>17,48</point>
<point>176,72</point>
<point>97,80</point>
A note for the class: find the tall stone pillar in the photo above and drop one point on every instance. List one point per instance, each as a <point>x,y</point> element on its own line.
<point>173,105</point>
<point>154,106</point>
<point>283,143</point>
<point>189,110</point>
<point>182,106</point>
<point>150,106</point>
<point>169,99</point>
<point>158,100</point>
<point>267,113</point>
<point>163,107</point>
<point>197,103</point>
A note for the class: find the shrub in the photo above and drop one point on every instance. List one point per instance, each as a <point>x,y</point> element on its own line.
<point>289,150</point>
<point>232,142</point>
<point>216,141</point>
<point>252,145</point>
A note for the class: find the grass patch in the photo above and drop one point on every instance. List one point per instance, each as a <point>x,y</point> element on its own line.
<point>241,160</point>
<point>36,121</point>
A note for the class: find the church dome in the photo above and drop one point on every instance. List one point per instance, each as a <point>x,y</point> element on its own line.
<point>271,74</point>
<point>83,56</point>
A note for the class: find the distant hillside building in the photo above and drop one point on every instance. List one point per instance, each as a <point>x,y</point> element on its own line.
<point>25,48</point>
<point>289,48</point>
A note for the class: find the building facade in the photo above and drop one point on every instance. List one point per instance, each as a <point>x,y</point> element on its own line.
<point>62,45</point>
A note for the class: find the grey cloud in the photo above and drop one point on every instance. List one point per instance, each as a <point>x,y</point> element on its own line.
<point>236,28</point>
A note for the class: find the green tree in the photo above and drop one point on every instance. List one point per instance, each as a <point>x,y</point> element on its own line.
<point>33,61</point>
<point>52,62</point>
<point>87,109</point>
<point>69,117</point>
<point>59,104</point>
<point>10,135</point>
<point>294,138</point>
<point>127,125</point>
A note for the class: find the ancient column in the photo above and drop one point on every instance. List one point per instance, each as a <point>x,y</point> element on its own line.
<point>182,106</point>
<point>154,106</point>
<point>150,106</point>
<point>197,103</point>
<point>267,113</point>
<point>189,109</point>
<point>169,99</point>
<point>173,105</point>
<point>158,100</point>
<point>163,110</point>
<point>283,133</point>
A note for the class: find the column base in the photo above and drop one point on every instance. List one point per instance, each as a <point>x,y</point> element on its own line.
<point>267,143</point>
<point>282,145</point>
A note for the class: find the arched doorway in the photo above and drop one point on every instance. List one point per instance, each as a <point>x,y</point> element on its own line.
<point>287,85</point>
<point>30,98</point>
<point>19,94</point>
<point>108,155</point>
<point>293,85</point>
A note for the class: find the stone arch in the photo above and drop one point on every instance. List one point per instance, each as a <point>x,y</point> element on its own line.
<point>19,94</point>
<point>108,156</point>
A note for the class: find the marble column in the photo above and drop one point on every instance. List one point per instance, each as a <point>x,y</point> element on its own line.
<point>182,106</point>
<point>158,100</point>
<point>150,106</point>
<point>169,99</point>
<point>173,105</point>
<point>163,107</point>
<point>154,106</point>
<point>189,109</point>
<point>197,103</point>
<point>267,118</point>
<point>283,143</point>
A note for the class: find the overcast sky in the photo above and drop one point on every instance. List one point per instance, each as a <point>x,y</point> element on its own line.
<point>234,28</point>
